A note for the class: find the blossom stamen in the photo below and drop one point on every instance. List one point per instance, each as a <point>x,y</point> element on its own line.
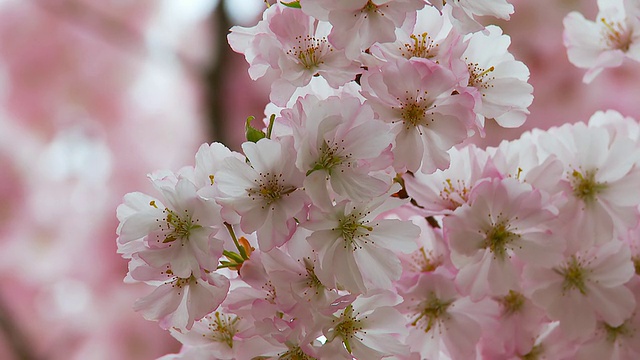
<point>310,51</point>
<point>616,35</point>
<point>512,303</point>
<point>421,47</point>
<point>585,186</point>
<point>431,310</point>
<point>223,328</point>
<point>574,276</point>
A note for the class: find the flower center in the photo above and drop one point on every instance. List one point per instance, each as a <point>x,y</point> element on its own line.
<point>535,353</point>
<point>457,194</point>
<point>310,51</point>
<point>369,7</point>
<point>352,229</point>
<point>612,333</point>
<point>478,77</point>
<point>425,261</point>
<point>421,47</point>
<point>616,35</point>
<point>312,279</point>
<point>497,239</point>
<point>574,276</point>
<point>295,353</point>
<point>175,226</point>
<point>223,328</point>
<point>585,186</point>
<point>270,188</point>
<point>329,158</point>
<point>348,327</point>
<point>512,303</point>
<point>431,310</point>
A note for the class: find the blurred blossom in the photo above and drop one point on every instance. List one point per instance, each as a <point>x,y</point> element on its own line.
<point>93,95</point>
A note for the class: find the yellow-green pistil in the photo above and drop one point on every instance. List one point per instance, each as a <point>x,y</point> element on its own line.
<point>512,303</point>
<point>497,239</point>
<point>585,187</point>
<point>431,311</point>
<point>612,333</point>
<point>348,327</point>
<point>352,228</point>
<point>574,276</point>
<point>223,329</point>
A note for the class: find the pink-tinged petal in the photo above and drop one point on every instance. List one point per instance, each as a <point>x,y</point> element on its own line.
<point>138,226</point>
<point>347,273</point>
<point>378,265</point>
<point>473,279</point>
<point>205,296</point>
<point>462,335</point>
<point>577,318</point>
<point>396,235</point>
<point>163,301</point>
<point>614,305</point>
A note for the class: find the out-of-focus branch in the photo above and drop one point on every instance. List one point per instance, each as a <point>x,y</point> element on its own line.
<point>15,339</point>
<point>214,78</point>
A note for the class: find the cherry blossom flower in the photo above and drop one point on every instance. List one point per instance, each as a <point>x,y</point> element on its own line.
<point>463,12</point>
<point>444,191</point>
<point>179,233</point>
<point>359,24</point>
<point>265,193</point>
<point>516,330</point>
<point>506,218</point>
<point>177,301</point>
<point>586,287</point>
<point>293,47</point>
<point>428,120</point>
<point>605,42</point>
<point>340,145</point>
<point>615,342</point>
<point>369,327</point>
<point>501,81</point>
<point>220,336</point>
<point>600,176</point>
<point>355,248</point>
<point>443,321</point>
<point>431,36</point>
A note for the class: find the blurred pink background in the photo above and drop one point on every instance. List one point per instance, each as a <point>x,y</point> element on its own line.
<point>95,94</point>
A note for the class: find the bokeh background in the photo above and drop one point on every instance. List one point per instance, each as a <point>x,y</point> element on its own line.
<point>95,94</point>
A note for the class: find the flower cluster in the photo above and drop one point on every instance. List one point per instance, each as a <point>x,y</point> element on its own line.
<point>356,225</point>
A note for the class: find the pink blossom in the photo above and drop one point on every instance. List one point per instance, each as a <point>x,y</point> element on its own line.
<point>431,36</point>
<point>265,192</point>
<point>501,82</point>
<point>358,24</point>
<point>599,178</point>
<point>294,47</point>
<point>585,287</point>
<point>416,96</point>
<point>505,218</point>
<point>180,233</point>
<point>441,321</point>
<point>368,328</point>
<point>177,301</point>
<point>444,191</point>
<point>605,42</point>
<point>339,145</point>
<point>356,248</point>
<point>463,13</point>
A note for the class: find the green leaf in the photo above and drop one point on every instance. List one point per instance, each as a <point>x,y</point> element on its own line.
<point>293,4</point>
<point>252,133</point>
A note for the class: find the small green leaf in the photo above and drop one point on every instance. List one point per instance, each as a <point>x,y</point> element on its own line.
<point>293,4</point>
<point>252,133</point>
